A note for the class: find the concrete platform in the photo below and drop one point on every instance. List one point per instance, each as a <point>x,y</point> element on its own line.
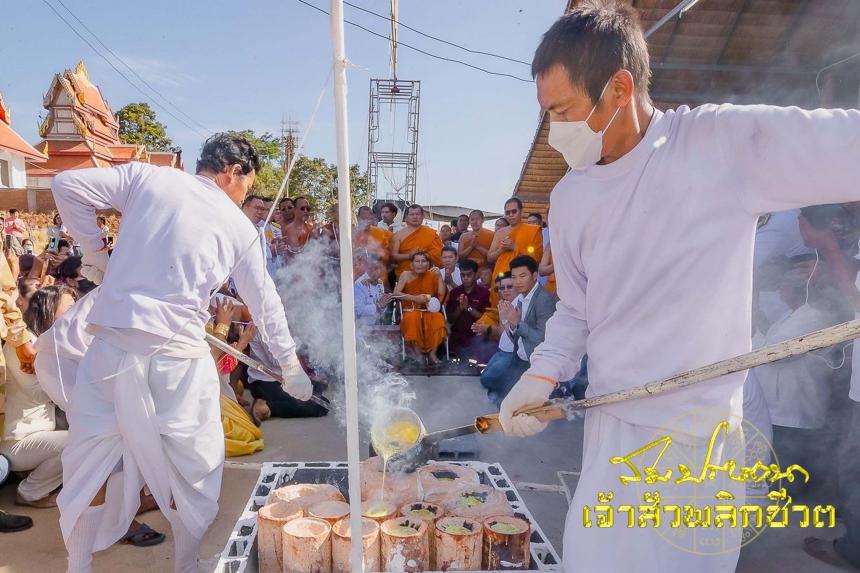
<point>441,402</point>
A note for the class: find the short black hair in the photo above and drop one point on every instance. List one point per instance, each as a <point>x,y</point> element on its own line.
<point>13,211</point>
<point>390,206</point>
<point>515,200</point>
<point>524,261</point>
<point>414,206</point>
<point>284,200</point>
<point>538,215</point>
<point>468,265</point>
<point>362,209</point>
<point>419,254</point>
<point>461,216</point>
<point>250,198</point>
<point>594,41</point>
<point>478,211</point>
<point>70,268</point>
<point>449,249</point>
<point>224,149</point>
<point>63,243</point>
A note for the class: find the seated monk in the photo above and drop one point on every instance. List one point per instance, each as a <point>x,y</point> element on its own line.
<point>518,238</point>
<point>475,243</point>
<point>369,240</point>
<point>422,329</point>
<point>489,325</point>
<point>415,237</point>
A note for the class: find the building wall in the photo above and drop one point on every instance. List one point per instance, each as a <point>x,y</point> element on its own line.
<point>17,169</point>
<point>14,199</point>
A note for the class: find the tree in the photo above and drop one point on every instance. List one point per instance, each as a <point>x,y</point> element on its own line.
<point>139,125</point>
<point>313,178</point>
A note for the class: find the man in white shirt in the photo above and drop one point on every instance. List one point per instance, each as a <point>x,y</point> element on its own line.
<point>450,271</point>
<point>652,233</point>
<point>370,296</point>
<point>388,212</point>
<point>524,320</point>
<point>145,407</point>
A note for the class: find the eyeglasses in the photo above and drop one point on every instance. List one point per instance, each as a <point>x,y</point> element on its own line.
<point>501,288</point>
<point>304,208</point>
<point>512,212</point>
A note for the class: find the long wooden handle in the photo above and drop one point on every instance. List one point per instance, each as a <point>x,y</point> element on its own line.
<point>558,408</point>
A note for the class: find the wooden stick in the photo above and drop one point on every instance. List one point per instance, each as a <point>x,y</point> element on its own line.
<point>560,407</point>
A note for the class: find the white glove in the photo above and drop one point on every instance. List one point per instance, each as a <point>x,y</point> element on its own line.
<point>296,382</point>
<point>528,392</point>
<point>94,265</point>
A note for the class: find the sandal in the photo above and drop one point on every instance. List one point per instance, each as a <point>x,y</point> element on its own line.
<point>142,536</point>
<point>825,550</point>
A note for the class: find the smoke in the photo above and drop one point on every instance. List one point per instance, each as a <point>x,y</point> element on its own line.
<point>309,285</point>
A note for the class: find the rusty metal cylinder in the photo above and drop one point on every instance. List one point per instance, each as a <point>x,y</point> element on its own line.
<point>506,543</point>
<point>270,521</point>
<point>378,511</point>
<point>341,541</point>
<point>458,544</point>
<point>405,545</point>
<point>331,511</point>
<point>307,546</point>
<point>428,513</point>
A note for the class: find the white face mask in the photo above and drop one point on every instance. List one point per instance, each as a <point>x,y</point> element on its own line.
<point>579,144</point>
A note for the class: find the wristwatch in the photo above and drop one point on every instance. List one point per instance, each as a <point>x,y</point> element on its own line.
<point>470,309</point>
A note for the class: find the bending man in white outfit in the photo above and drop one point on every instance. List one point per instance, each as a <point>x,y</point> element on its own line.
<point>145,407</point>
<point>652,233</point>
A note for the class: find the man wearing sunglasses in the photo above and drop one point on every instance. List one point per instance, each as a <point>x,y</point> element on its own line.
<point>518,238</point>
<point>301,229</point>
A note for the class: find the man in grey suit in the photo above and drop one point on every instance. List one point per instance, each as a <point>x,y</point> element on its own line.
<point>524,321</point>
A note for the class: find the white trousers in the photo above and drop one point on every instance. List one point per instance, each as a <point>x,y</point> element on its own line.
<point>646,549</point>
<point>39,454</point>
<point>142,420</point>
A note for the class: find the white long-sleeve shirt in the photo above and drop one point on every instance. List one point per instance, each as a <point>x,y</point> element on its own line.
<point>181,237</point>
<point>367,295</point>
<point>653,252</point>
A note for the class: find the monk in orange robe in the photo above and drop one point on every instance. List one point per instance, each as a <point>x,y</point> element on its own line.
<point>546,269</point>
<point>475,244</point>
<point>422,329</point>
<point>518,238</point>
<point>415,237</point>
<point>374,241</point>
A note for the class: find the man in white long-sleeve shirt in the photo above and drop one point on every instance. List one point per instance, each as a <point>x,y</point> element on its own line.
<point>145,407</point>
<point>652,233</point>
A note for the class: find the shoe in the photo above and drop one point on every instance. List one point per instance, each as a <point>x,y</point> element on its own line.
<point>10,523</point>
<point>46,502</point>
<point>4,468</point>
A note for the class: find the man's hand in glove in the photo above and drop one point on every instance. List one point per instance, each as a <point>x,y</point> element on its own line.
<point>296,382</point>
<point>531,390</point>
<point>93,266</point>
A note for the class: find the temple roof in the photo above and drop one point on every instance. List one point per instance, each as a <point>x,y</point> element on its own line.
<point>10,140</point>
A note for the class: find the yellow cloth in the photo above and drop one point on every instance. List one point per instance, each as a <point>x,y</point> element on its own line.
<point>422,239</point>
<point>241,436</point>
<point>426,329</point>
<point>12,329</point>
<point>485,240</point>
<point>490,317</point>
<point>528,240</point>
<point>376,241</point>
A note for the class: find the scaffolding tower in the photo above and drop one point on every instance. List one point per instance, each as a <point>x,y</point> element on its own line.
<point>392,169</point>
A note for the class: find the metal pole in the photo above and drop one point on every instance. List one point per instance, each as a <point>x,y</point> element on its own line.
<point>350,366</point>
<point>682,6</point>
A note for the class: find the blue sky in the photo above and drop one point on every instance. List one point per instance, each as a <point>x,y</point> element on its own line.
<point>237,65</point>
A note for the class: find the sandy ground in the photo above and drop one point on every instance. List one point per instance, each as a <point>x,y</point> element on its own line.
<point>441,402</point>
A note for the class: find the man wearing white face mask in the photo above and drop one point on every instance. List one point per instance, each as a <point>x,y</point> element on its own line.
<point>652,233</point>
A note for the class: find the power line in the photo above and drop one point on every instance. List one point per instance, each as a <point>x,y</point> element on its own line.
<point>132,70</point>
<point>384,17</point>
<point>468,65</point>
<point>117,70</point>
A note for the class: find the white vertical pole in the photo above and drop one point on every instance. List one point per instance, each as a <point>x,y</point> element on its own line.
<point>350,369</point>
